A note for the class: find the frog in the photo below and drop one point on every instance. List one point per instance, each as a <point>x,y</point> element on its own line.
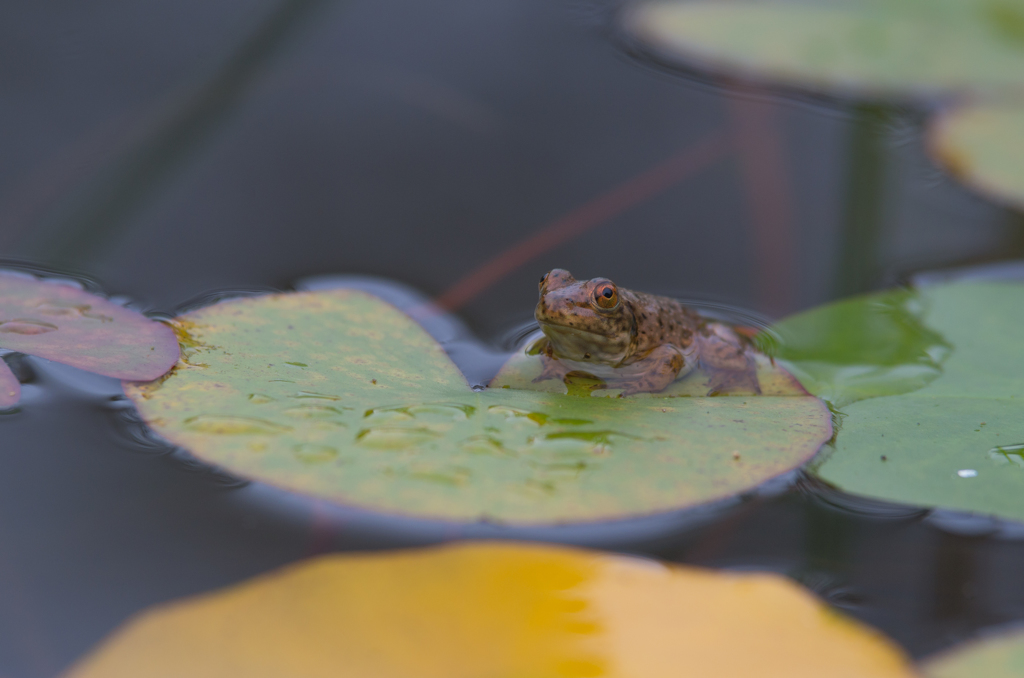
<point>633,341</point>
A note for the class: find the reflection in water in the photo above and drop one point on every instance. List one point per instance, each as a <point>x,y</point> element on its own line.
<point>163,139</point>
<point>867,213</point>
<point>956,579</point>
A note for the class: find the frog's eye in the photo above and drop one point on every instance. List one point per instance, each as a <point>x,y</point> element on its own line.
<point>606,295</point>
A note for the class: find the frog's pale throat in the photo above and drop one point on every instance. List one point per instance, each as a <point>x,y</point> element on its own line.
<point>581,345</point>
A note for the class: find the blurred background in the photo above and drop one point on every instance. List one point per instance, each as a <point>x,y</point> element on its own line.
<point>169,150</point>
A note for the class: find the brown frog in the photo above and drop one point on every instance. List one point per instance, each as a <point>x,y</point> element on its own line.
<point>634,341</point>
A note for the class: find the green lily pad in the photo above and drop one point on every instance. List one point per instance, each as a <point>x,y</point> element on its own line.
<point>862,347</point>
<point>339,395</point>
<point>880,46</point>
<point>68,325</point>
<point>496,609</point>
<point>956,441</point>
<point>982,146</point>
<point>998,656</point>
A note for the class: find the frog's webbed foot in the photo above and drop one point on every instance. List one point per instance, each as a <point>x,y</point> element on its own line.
<point>661,367</point>
<point>728,362</point>
<point>728,381</point>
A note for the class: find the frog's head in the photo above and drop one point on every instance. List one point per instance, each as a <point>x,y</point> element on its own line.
<point>585,320</point>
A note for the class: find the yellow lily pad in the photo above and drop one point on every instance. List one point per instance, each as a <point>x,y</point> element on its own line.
<point>338,395</point>
<point>499,610</point>
<point>982,146</point>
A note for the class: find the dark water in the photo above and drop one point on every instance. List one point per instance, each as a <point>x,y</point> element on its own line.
<point>461,148</point>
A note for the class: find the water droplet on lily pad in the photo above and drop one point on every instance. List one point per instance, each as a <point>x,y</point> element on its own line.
<point>230,425</point>
<point>486,444</point>
<point>310,395</point>
<point>311,453</point>
<point>312,411</point>
<point>395,437</point>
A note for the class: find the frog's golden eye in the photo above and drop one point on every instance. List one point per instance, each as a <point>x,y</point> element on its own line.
<point>606,295</point>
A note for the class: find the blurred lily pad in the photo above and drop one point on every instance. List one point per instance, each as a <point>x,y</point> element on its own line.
<point>875,46</point>
<point>339,395</point>
<point>997,656</point>
<point>982,146</point>
<point>497,610</point>
<point>862,347</point>
<point>10,388</point>
<point>71,326</point>
<point>955,442</point>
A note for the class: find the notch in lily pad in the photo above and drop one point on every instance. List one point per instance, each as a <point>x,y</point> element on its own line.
<point>68,325</point>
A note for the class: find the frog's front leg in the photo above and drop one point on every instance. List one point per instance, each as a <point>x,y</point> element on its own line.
<point>652,373</point>
<point>551,367</point>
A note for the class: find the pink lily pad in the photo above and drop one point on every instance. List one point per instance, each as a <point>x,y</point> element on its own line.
<point>71,326</point>
<point>10,389</point>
